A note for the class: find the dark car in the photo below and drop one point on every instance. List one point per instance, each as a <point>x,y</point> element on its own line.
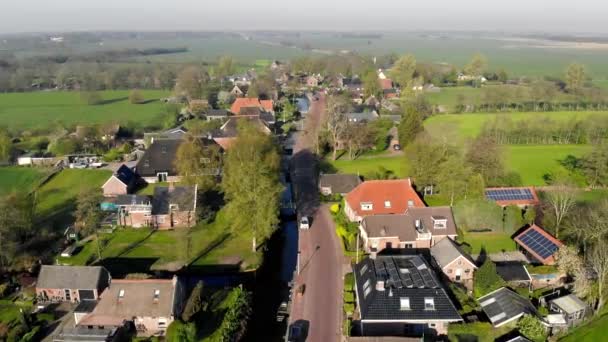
<point>298,331</point>
<point>397,147</point>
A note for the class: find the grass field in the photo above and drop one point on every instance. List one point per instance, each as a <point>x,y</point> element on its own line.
<point>531,162</point>
<point>40,109</point>
<point>203,245</point>
<point>448,96</point>
<point>491,242</point>
<point>457,128</point>
<point>23,179</point>
<point>59,194</point>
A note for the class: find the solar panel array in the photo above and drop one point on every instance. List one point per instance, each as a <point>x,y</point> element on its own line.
<point>538,243</point>
<point>404,272</point>
<point>517,194</point>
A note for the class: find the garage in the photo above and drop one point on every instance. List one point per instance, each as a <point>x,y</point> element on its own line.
<point>86,294</point>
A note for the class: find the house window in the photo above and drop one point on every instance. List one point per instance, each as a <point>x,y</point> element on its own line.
<point>367,283</point>
<point>467,270</point>
<point>410,203</point>
<point>367,206</point>
<point>440,223</point>
<point>162,323</point>
<point>432,325</point>
<point>404,303</point>
<point>367,291</point>
<point>162,176</point>
<point>429,303</point>
<point>459,262</point>
<point>449,271</point>
<point>387,204</point>
<point>409,245</point>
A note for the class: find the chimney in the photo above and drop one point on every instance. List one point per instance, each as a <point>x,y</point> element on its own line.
<point>380,285</point>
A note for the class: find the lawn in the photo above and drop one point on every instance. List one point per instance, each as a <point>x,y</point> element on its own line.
<point>531,162</point>
<point>60,193</point>
<point>594,330</point>
<point>492,242</point>
<point>23,179</point>
<point>365,166</point>
<point>39,109</point>
<point>204,245</point>
<point>478,332</point>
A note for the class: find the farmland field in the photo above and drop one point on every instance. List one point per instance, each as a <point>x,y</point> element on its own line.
<point>23,179</point>
<point>456,128</point>
<point>365,166</point>
<point>41,109</point>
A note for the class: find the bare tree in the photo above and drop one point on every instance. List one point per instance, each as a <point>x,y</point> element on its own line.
<point>337,122</point>
<point>562,199</point>
<point>598,260</point>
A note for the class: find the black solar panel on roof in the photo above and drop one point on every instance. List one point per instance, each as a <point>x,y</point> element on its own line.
<point>509,194</point>
<point>538,243</point>
<point>428,279</point>
<point>406,279</point>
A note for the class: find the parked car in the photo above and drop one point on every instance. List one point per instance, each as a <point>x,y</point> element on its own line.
<point>304,223</point>
<point>397,147</point>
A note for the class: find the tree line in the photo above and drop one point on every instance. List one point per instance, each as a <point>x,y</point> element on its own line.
<point>543,130</point>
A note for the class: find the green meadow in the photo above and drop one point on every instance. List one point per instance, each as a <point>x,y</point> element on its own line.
<point>38,110</point>
<point>22,179</point>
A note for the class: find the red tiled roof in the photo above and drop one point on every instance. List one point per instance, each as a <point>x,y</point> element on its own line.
<point>550,260</point>
<point>386,83</point>
<point>268,105</point>
<point>246,102</point>
<point>504,203</point>
<point>377,192</point>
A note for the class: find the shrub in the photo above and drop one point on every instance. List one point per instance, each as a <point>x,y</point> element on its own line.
<point>487,279</point>
<point>532,328</point>
<point>335,208</point>
<point>234,325</point>
<point>136,97</point>
<point>195,302</point>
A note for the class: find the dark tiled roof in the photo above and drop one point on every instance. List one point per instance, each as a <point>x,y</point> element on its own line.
<point>383,282</point>
<point>339,183</point>
<point>159,157</point>
<point>512,271</point>
<point>125,174</point>
<point>73,277</point>
<point>504,305</point>
<point>404,226</point>
<point>182,196</point>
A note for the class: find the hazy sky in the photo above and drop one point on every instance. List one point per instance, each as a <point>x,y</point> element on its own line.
<point>519,15</point>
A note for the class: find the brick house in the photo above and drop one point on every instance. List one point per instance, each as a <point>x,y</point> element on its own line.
<point>170,207</point>
<point>417,228</point>
<point>455,264</point>
<point>121,182</point>
<point>174,207</point>
<point>381,197</point>
<point>71,283</point>
<point>158,162</point>
<point>150,304</point>
<point>227,134</point>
